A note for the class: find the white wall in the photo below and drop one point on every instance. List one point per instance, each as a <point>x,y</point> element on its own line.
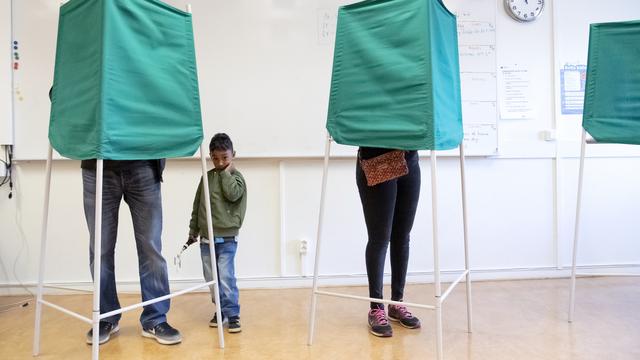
<point>511,221</point>
<point>513,202</point>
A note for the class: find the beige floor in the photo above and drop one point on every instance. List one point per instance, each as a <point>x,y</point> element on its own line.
<point>513,320</point>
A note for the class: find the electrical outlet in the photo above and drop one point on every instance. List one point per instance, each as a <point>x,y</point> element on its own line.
<point>548,135</point>
<point>303,246</point>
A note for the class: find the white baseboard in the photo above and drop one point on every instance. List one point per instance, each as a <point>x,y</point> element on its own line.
<point>278,282</point>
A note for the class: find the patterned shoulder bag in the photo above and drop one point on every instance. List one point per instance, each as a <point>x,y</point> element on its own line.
<point>388,166</point>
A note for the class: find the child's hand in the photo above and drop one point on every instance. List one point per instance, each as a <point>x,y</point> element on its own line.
<point>191,239</point>
<point>230,168</point>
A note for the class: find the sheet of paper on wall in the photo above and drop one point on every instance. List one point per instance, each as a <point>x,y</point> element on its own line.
<point>479,112</point>
<point>478,86</point>
<point>514,83</point>
<point>572,83</point>
<point>326,26</point>
<point>481,137</point>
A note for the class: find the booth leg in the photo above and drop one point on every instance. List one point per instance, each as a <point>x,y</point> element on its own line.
<point>465,229</point>
<point>97,261</point>
<point>316,264</point>
<point>572,292</point>
<point>43,253</point>
<point>436,255</point>
<point>212,246</point>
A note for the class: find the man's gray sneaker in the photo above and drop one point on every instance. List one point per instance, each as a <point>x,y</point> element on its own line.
<point>163,333</point>
<point>105,329</point>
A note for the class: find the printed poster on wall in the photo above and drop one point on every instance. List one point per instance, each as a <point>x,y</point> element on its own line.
<point>572,82</point>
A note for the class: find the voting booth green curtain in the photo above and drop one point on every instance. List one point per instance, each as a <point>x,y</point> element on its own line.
<point>125,82</point>
<point>396,78</point>
<point>612,92</point>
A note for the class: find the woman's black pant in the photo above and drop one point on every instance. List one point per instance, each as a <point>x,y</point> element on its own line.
<point>389,209</point>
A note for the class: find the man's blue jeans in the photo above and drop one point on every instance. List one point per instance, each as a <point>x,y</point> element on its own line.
<point>140,189</point>
<point>225,256</point>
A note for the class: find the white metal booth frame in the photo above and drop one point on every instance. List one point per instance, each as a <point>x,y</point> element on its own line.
<point>440,296</point>
<point>96,315</point>
<point>576,233</point>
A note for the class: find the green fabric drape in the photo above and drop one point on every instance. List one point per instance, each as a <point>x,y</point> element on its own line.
<point>612,91</point>
<point>396,77</point>
<point>125,82</point>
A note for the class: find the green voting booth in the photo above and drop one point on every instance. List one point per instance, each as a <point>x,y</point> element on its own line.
<point>396,84</point>
<point>612,89</point>
<point>125,88</point>
<point>396,77</point>
<point>125,82</point>
<point>611,104</point>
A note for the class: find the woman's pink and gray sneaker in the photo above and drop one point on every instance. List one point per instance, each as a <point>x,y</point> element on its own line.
<point>400,314</point>
<point>378,323</point>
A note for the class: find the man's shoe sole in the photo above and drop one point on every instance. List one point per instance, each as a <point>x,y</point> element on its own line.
<point>213,325</point>
<point>403,325</point>
<point>233,331</point>
<point>113,331</point>
<point>160,340</point>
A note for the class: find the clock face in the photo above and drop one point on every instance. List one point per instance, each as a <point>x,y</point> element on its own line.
<point>524,10</point>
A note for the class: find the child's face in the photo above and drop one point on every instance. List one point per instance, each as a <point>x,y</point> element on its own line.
<point>221,158</point>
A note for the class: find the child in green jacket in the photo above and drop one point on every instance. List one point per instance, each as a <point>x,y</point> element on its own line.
<point>228,198</point>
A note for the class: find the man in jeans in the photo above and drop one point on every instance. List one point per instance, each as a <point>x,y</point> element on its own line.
<point>138,182</point>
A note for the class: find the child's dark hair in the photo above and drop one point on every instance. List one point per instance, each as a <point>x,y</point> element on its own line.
<point>221,141</point>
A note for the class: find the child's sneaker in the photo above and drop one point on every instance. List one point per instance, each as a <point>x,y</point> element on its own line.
<point>214,321</point>
<point>378,323</point>
<point>234,324</point>
<point>403,316</point>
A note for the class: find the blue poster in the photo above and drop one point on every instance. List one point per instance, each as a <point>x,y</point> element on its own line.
<point>572,81</point>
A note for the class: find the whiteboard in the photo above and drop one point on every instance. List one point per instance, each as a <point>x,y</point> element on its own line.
<point>6,113</point>
<point>264,69</point>
<point>34,27</point>
<point>478,78</point>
